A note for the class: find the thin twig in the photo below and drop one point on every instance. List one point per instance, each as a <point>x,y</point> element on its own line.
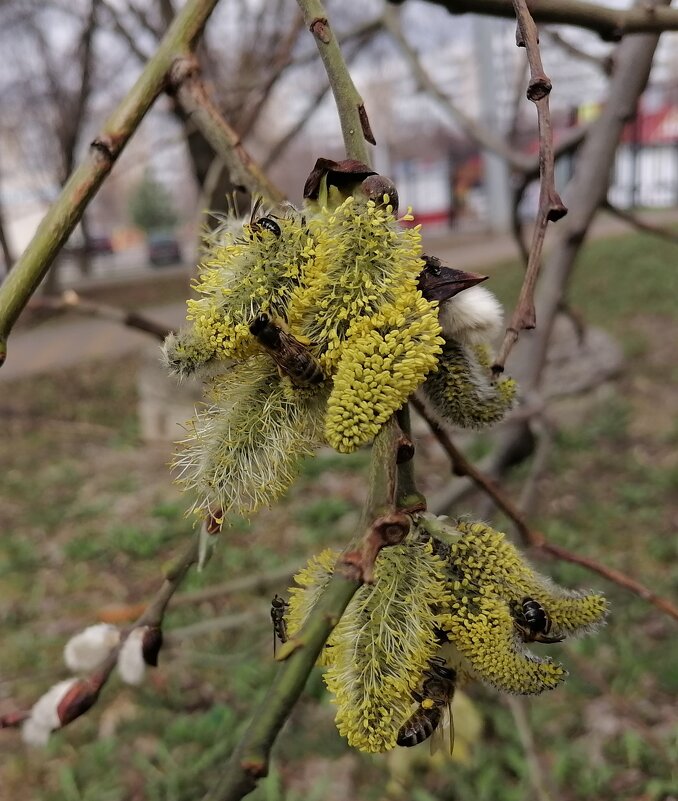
<point>67,210</point>
<point>603,63</point>
<point>86,691</point>
<point>250,760</point>
<point>517,160</point>
<point>532,537</point>
<point>641,225</point>
<point>194,99</point>
<point>214,625</point>
<point>255,583</point>
<point>355,126</point>
<point>518,708</point>
<point>551,207</point>
<point>71,301</point>
<point>610,23</point>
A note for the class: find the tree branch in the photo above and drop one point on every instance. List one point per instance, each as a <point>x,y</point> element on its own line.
<point>90,686</point>
<point>532,537</point>
<point>603,63</point>
<point>639,224</point>
<point>65,212</point>
<point>610,23</point>
<point>551,207</point>
<point>517,160</point>
<point>71,301</point>
<point>355,126</point>
<point>249,762</point>
<point>192,96</point>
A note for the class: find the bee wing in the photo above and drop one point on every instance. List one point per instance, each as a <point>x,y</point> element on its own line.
<point>442,738</point>
<point>255,207</point>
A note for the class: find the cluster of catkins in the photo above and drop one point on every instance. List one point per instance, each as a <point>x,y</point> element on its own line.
<point>312,328</point>
<point>457,593</point>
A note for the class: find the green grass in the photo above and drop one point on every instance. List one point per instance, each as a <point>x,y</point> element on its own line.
<point>89,519</point>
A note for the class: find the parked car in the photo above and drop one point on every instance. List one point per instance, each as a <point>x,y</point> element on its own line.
<point>163,249</point>
<point>100,245</point>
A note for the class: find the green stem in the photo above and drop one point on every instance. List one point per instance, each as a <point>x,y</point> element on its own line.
<point>194,98</point>
<point>65,212</point>
<point>355,126</point>
<point>249,762</point>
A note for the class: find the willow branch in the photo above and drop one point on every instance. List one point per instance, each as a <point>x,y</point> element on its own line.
<point>355,126</point>
<point>532,537</point>
<point>86,691</point>
<point>609,23</point>
<point>67,210</point>
<point>639,224</point>
<point>192,96</point>
<point>71,301</point>
<point>517,160</point>
<point>603,63</point>
<point>250,760</point>
<point>551,207</point>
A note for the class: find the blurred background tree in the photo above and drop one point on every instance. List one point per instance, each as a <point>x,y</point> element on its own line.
<point>86,505</point>
<point>150,206</point>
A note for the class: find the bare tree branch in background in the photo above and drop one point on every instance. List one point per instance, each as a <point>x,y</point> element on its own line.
<point>610,23</point>
<point>634,221</point>
<point>603,63</point>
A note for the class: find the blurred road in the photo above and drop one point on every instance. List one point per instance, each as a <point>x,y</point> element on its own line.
<point>70,340</point>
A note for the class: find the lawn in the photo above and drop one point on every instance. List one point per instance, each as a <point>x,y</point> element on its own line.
<point>90,518</point>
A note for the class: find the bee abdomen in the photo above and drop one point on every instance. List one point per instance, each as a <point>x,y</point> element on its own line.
<point>419,727</point>
<point>535,616</point>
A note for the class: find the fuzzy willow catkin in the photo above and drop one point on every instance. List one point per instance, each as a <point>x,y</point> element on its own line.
<point>449,591</point>
<point>462,391</point>
<point>383,642</point>
<point>245,448</point>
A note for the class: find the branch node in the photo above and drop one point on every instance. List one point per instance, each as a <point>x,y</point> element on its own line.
<point>405,449</point>
<point>365,125</point>
<point>385,531</point>
<point>320,28</point>
<point>107,146</point>
<point>539,87</point>
<point>557,209</point>
<point>182,69</point>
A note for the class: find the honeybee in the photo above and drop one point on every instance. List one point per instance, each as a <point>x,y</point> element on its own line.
<point>262,223</point>
<point>437,691</point>
<point>278,610</point>
<point>292,358</point>
<point>532,621</point>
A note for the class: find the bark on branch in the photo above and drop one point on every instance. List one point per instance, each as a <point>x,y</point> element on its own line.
<point>610,23</point>
<point>67,210</point>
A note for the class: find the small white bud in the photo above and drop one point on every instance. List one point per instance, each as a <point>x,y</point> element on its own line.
<point>88,649</point>
<point>44,717</point>
<point>131,664</point>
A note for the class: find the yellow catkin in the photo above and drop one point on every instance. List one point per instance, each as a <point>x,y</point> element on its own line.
<point>377,654</point>
<point>487,576</point>
<point>462,391</point>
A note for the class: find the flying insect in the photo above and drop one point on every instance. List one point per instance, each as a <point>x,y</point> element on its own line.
<point>291,356</point>
<point>533,621</point>
<point>437,691</point>
<point>278,610</point>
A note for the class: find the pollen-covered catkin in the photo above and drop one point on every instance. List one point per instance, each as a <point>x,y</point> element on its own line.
<point>244,450</point>
<point>383,642</point>
<point>462,392</point>
<point>240,277</point>
<point>487,576</point>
